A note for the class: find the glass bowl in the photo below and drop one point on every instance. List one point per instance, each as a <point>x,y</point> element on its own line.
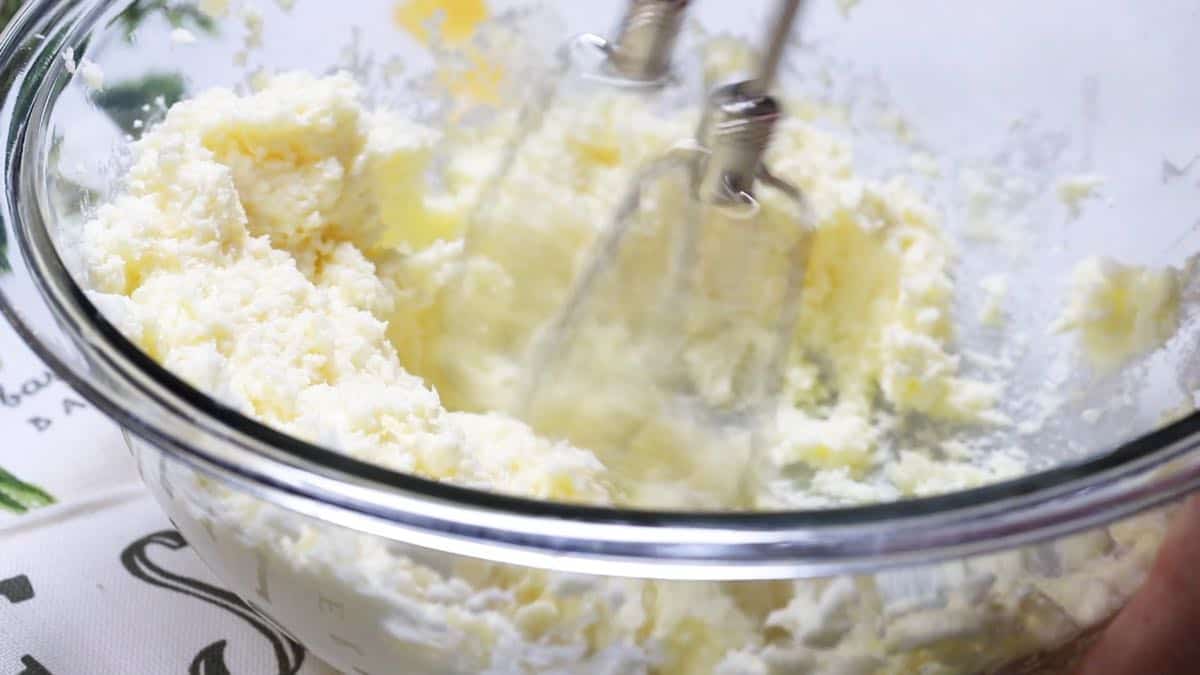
<point>376,571</point>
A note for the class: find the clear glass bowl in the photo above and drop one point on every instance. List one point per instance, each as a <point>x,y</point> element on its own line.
<point>422,577</point>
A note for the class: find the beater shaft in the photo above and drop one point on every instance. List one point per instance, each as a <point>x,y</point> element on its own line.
<point>643,47</point>
<point>781,28</point>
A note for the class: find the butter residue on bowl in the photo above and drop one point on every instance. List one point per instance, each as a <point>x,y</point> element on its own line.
<point>1075,191</point>
<point>237,256</point>
<point>1121,311</point>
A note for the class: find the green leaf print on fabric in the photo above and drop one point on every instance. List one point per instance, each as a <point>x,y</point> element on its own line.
<point>178,15</point>
<point>125,103</point>
<point>18,496</point>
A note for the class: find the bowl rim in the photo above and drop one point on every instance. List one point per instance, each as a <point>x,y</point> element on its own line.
<point>192,427</point>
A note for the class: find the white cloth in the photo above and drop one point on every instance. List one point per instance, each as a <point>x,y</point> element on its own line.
<point>99,583</point>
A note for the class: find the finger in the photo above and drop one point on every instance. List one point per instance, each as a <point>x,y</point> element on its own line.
<point>1159,630</point>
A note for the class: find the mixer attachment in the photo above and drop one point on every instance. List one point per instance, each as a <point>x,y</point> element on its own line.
<point>589,69</point>
<point>667,358</point>
<point>639,59</point>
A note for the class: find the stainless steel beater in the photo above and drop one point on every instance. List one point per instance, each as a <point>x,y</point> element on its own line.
<point>710,321</point>
<point>638,61</point>
<point>638,58</point>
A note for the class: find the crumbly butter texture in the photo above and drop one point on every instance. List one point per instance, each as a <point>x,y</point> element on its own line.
<point>1075,191</point>
<point>1121,311</point>
<point>238,257</point>
<point>281,252</point>
<point>874,337</point>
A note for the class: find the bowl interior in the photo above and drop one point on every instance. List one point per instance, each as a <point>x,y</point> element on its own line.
<point>1012,100</point>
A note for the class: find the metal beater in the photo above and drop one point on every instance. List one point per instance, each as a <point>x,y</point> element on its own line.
<point>708,296</point>
<point>638,58</point>
<point>588,67</point>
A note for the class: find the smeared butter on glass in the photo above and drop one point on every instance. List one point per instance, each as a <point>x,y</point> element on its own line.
<point>1075,191</point>
<point>1121,311</point>
<point>455,21</point>
<point>474,74</point>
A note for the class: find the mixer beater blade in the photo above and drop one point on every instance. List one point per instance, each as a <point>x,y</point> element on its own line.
<point>592,71</point>
<point>639,58</point>
<point>701,271</point>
